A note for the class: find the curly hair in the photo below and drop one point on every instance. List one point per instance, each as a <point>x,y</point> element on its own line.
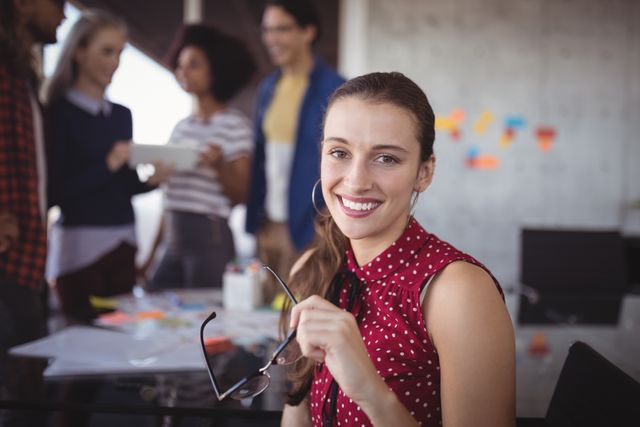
<point>230,62</point>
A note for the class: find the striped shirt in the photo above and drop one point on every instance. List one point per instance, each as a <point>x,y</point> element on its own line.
<point>199,190</point>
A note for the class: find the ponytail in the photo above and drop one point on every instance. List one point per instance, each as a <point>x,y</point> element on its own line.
<point>314,277</point>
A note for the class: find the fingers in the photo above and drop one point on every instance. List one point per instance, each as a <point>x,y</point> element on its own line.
<point>119,155</point>
<point>122,149</point>
<point>211,156</point>
<point>322,327</point>
<point>161,173</point>
<point>163,169</point>
<point>314,302</point>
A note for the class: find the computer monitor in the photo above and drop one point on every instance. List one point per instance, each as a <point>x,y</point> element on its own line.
<point>579,276</point>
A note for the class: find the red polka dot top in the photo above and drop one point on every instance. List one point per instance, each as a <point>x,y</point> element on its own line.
<point>389,314</point>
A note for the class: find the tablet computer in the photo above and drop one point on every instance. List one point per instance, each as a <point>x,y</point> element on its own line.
<point>180,156</point>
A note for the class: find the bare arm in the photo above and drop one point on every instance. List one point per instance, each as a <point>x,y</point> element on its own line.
<point>233,175</point>
<point>472,332</point>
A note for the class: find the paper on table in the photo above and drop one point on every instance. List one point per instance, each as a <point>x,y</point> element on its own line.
<point>83,350</point>
<point>183,157</point>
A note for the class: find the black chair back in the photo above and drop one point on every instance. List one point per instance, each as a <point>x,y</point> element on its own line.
<point>592,391</point>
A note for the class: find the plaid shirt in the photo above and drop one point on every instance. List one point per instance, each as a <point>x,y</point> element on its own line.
<point>24,261</point>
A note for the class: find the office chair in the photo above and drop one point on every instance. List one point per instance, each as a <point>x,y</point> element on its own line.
<point>592,391</point>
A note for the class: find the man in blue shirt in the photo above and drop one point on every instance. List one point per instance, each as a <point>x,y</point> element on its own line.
<point>288,130</point>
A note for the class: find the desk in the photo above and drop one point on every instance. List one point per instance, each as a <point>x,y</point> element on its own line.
<point>188,393</point>
<point>150,368</point>
<point>536,376</point>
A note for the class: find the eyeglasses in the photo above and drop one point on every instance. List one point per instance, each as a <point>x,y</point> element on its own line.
<point>287,352</point>
<point>278,29</point>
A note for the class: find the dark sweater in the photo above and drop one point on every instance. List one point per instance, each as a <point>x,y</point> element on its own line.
<point>79,181</point>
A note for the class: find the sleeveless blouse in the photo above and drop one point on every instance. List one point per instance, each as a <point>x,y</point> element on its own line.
<point>389,315</point>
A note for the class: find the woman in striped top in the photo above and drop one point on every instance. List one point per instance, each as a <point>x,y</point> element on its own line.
<point>212,67</point>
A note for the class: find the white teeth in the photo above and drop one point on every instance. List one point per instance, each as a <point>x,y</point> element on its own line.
<point>359,206</point>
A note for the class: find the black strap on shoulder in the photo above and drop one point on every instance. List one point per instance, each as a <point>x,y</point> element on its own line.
<point>355,289</point>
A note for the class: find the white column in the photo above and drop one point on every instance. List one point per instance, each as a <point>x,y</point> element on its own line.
<point>352,37</point>
<point>192,12</point>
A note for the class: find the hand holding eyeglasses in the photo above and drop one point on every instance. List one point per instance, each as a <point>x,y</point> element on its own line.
<point>331,336</point>
<point>287,352</point>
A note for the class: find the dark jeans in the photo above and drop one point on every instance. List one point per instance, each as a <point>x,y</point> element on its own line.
<point>112,274</point>
<point>22,319</point>
<point>198,249</point>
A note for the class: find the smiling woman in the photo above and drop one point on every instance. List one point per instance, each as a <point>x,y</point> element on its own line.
<point>370,167</point>
<point>390,314</point>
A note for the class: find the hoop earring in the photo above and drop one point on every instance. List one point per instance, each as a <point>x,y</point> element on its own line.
<point>313,200</point>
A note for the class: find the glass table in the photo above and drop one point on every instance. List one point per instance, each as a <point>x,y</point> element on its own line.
<point>155,395</point>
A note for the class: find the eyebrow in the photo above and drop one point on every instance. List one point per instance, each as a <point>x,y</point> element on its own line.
<point>375,147</point>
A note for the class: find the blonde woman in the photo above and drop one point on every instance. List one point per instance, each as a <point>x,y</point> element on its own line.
<point>92,246</point>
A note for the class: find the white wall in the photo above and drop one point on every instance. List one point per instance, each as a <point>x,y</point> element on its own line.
<point>573,65</point>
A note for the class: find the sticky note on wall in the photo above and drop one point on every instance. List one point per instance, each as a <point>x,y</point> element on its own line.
<point>546,136</point>
<point>475,160</point>
<point>483,122</point>
<point>451,123</point>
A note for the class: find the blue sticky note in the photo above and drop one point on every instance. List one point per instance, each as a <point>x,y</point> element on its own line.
<point>515,122</point>
<point>473,151</point>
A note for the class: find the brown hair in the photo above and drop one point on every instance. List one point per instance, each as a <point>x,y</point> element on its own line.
<point>329,246</point>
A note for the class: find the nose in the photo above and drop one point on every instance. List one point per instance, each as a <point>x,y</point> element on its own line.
<point>358,177</point>
<point>267,37</point>
<point>115,62</point>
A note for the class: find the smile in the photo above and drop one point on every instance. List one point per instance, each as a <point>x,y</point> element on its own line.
<point>360,207</point>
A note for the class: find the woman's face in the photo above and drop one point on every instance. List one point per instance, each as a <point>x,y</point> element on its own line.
<point>99,60</point>
<point>369,169</point>
<point>284,39</point>
<point>193,71</point>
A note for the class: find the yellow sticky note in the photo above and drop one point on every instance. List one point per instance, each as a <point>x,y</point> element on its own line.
<point>278,301</point>
<point>444,123</point>
<point>103,303</point>
<point>505,140</point>
<point>483,122</point>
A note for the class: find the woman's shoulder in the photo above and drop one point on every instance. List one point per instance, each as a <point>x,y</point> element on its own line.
<point>58,106</point>
<point>119,108</point>
<point>235,118</point>
<point>464,277</point>
<point>184,122</point>
<point>462,301</point>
